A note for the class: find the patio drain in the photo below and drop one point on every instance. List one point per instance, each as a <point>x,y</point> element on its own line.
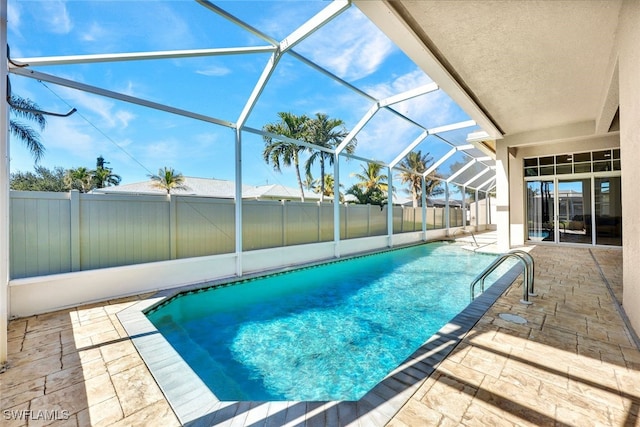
<point>513,318</point>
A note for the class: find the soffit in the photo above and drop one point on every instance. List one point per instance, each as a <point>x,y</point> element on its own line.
<point>529,64</point>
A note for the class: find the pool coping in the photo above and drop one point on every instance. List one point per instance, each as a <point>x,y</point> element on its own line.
<point>195,405</point>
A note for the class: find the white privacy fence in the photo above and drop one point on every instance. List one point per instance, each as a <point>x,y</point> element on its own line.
<point>64,232</point>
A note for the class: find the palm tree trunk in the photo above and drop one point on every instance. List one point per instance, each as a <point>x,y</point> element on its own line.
<point>297,165</point>
<point>322,178</point>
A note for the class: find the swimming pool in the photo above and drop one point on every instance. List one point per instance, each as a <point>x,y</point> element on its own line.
<point>329,332</point>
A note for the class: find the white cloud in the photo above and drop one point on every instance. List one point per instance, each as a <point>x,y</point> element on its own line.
<point>350,46</point>
<point>124,117</point>
<point>70,136</point>
<point>56,16</point>
<point>163,151</point>
<point>175,30</point>
<point>432,109</point>
<point>399,84</point>
<point>214,70</point>
<point>105,109</point>
<point>13,17</point>
<point>95,32</point>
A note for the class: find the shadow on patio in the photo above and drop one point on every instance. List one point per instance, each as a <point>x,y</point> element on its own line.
<point>78,367</point>
<point>573,363</point>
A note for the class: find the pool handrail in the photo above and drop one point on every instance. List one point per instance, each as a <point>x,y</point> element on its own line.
<point>529,259</point>
<point>528,264</point>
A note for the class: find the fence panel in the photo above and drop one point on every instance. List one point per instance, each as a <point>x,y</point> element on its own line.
<point>378,221</point>
<point>40,233</point>
<point>409,220</point>
<point>123,230</point>
<point>61,232</point>
<point>262,224</point>
<point>439,218</point>
<point>357,218</point>
<point>326,222</point>
<point>204,226</point>
<point>301,223</point>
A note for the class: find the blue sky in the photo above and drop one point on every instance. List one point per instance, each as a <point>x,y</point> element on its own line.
<point>137,141</point>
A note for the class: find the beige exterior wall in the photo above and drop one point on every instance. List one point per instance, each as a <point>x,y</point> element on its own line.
<point>502,196</point>
<point>629,77</point>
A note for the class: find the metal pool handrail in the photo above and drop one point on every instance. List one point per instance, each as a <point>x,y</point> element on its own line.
<point>467,231</point>
<point>527,262</point>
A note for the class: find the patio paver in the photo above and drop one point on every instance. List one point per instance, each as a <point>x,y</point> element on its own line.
<point>573,363</point>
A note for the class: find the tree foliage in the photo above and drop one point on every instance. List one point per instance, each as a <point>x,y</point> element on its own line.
<point>373,187</point>
<point>277,152</point>
<point>326,132</point>
<point>24,108</point>
<point>103,176</point>
<point>320,130</point>
<point>415,165</point>
<point>59,179</point>
<point>168,179</point>
<point>42,179</point>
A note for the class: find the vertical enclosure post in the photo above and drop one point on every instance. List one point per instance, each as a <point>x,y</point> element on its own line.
<point>336,205</point>
<point>238,199</point>
<point>464,207</point>
<point>423,200</point>
<point>4,190</point>
<point>447,223</point>
<point>390,207</point>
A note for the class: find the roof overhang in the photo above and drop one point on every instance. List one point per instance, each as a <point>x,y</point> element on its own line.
<point>515,67</point>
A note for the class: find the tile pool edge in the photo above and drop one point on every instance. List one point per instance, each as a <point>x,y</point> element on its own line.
<point>195,405</point>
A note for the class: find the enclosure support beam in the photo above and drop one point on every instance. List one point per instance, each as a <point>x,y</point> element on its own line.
<point>477,210</point>
<point>476,176</point>
<point>238,199</point>
<point>447,223</point>
<point>423,182</point>
<point>390,206</point>
<point>4,191</point>
<point>336,205</point>
<point>464,207</point>
<point>26,72</point>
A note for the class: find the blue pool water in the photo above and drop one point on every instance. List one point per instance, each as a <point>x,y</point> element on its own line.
<point>329,332</point>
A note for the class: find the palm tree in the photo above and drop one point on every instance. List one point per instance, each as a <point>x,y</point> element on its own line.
<point>417,164</point>
<point>287,153</point>
<point>25,108</point>
<point>327,133</point>
<point>326,186</point>
<point>80,179</point>
<point>104,176</point>
<point>168,179</point>
<point>372,188</point>
<point>371,178</point>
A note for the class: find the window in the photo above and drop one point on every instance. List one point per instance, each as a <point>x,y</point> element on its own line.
<point>564,164</point>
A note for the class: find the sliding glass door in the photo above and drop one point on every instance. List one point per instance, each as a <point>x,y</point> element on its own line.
<point>540,211</point>
<point>608,211</point>
<point>584,210</point>
<point>574,211</point>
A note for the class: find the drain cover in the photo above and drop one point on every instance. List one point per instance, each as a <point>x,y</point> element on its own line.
<point>513,318</point>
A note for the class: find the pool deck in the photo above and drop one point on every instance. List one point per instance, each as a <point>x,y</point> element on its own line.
<point>573,363</point>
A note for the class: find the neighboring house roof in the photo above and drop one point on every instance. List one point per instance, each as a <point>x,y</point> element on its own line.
<point>210,187</point>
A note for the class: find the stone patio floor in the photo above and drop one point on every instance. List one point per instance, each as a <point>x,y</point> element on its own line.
<point>573,363</point>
